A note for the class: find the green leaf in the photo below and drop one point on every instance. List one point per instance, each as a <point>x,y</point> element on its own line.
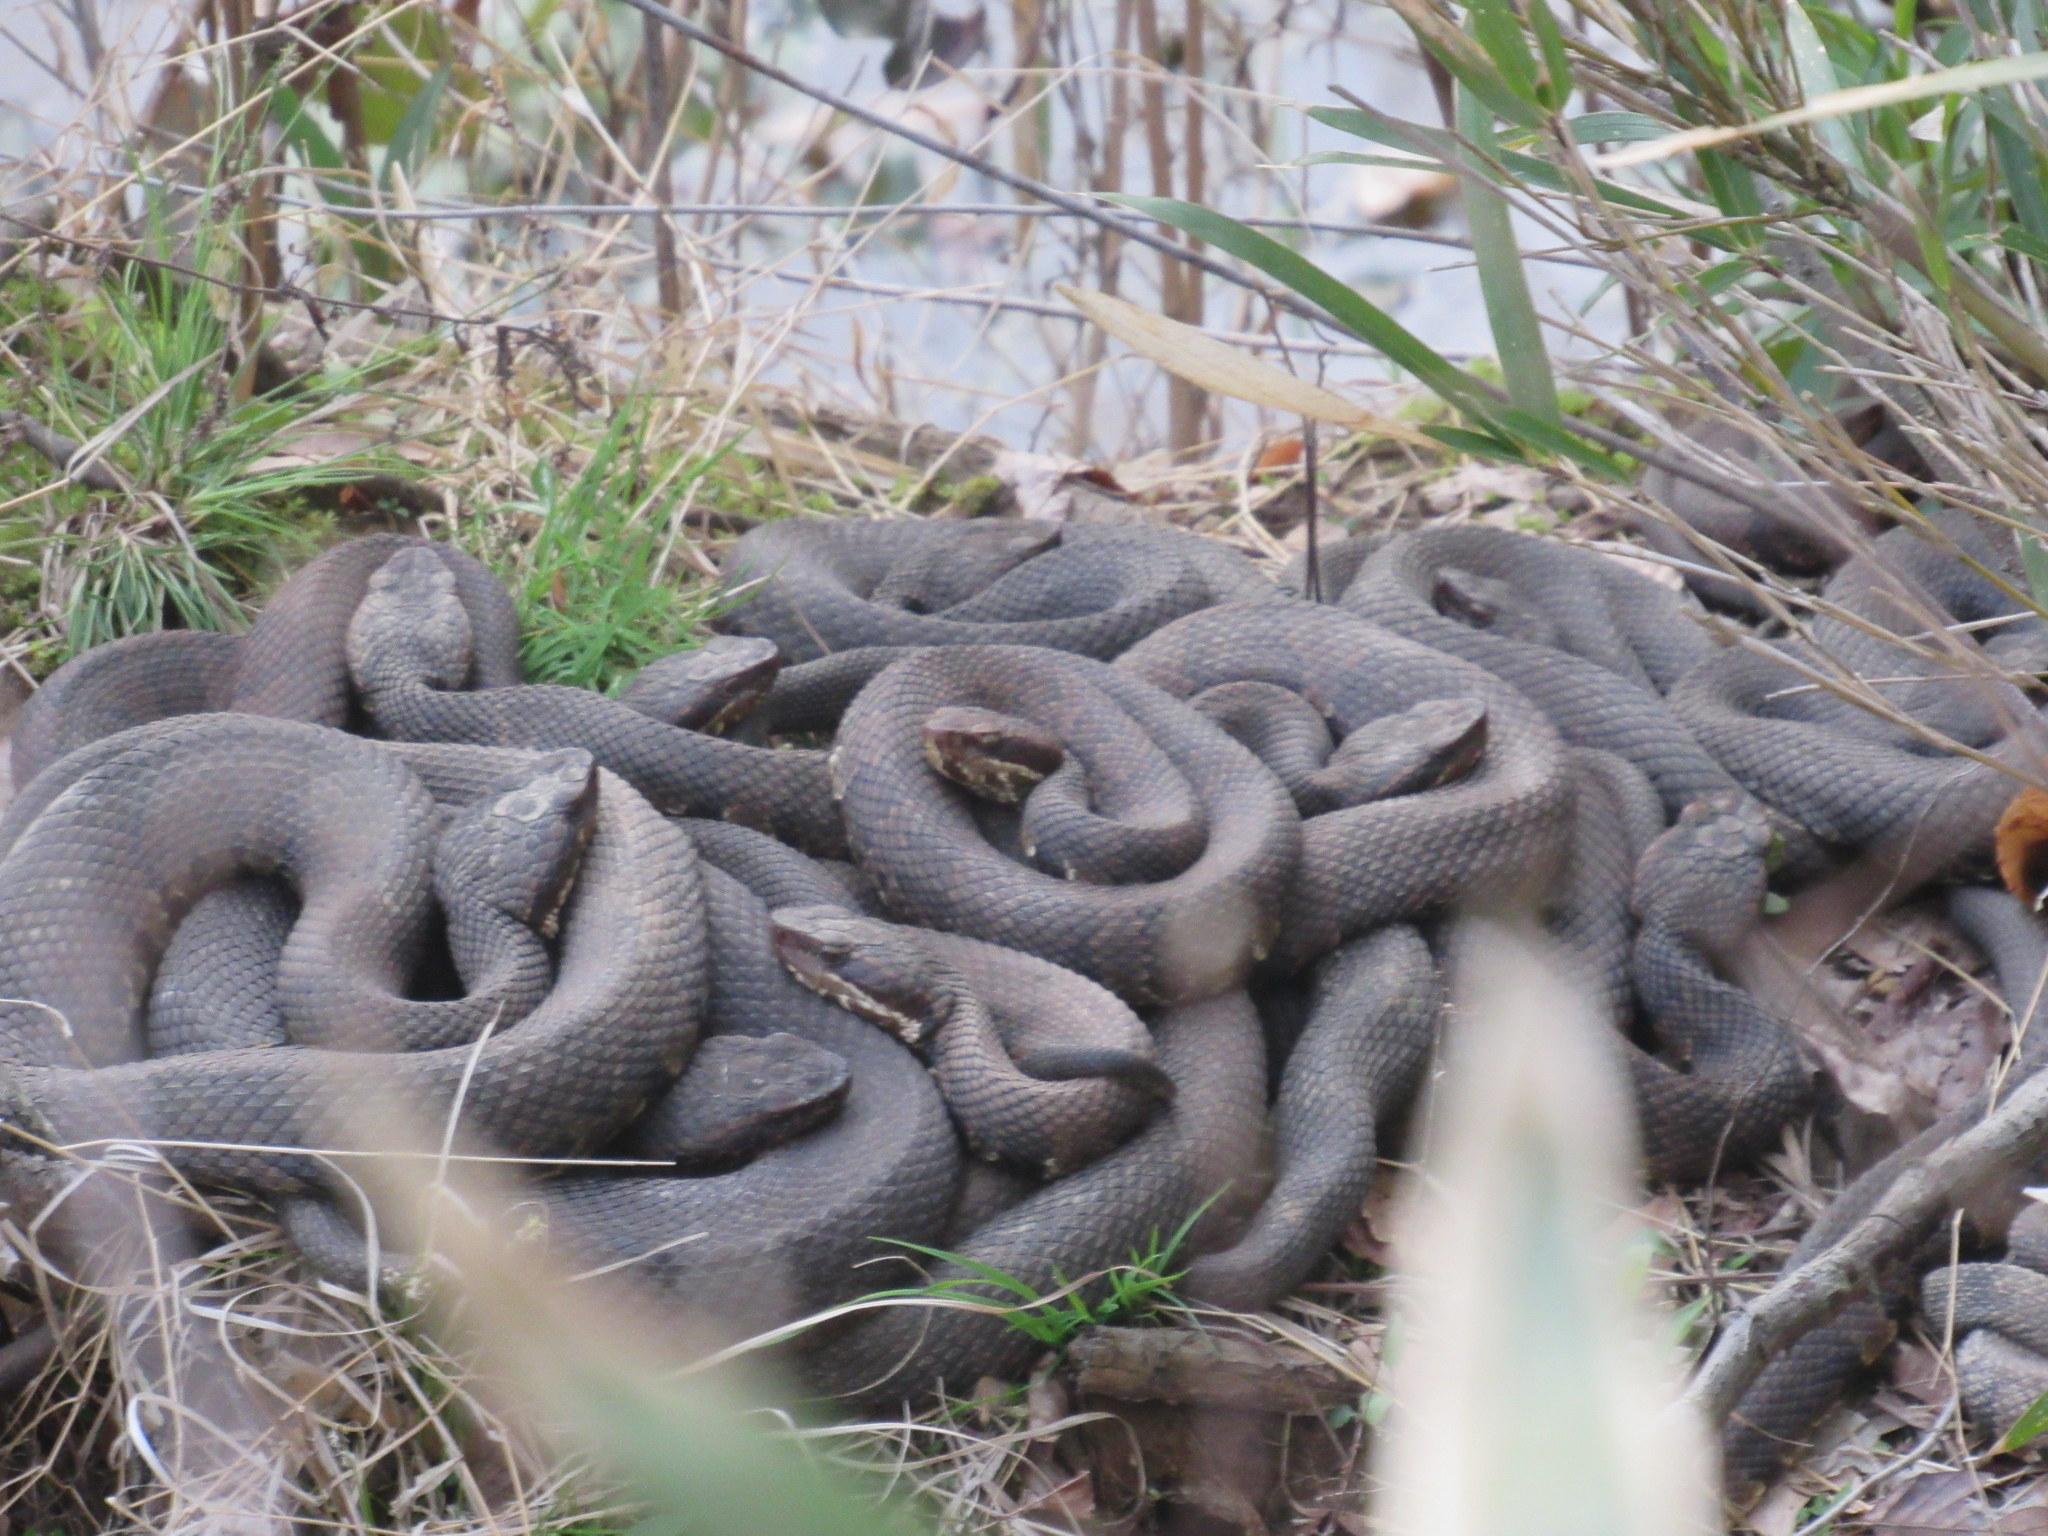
<point>1497,29</point>
<point>301,131</point>
<point>1555,89</point>
<point>1503,282</point>
<point>2018,168</point>
<point>1435,145</point>
<point>2029,1426</point>
<point>1616,128</point>
<point>1817,77</point>
<point>1479,445</point>
<point>1469,64</point>
<point>1373,325</point>
<point>414,135</point>
<point>2026,243</point>
<point>1775,905</point>
<point>1733,189</point>
<point>1358,315</point>
<point>2034,561</point>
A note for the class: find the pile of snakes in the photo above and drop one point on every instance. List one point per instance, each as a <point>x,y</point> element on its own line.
<point>1016,890</point>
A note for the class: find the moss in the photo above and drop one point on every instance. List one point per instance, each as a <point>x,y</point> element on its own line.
<point>972,497</point>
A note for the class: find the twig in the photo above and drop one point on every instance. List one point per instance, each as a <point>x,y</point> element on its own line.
<point>1312,567</point>
<point>1140,234</point>
<point>1213,1370</point>
<point>286,291</point>
<point>59,450</point>
<point>2005,1140</point>
<point>445,211</point>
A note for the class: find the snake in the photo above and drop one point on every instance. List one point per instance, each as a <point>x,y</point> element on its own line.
<point>1617,641</point>
<point>792,1230</point>
<point>164,822</point>
<point>1370,1032</point>
<point>1998,1313</point>
<point>1132,1202</point>
<point>1152,942</point>
<point>290,665</point>
<point>816,587</point>
<point>1776,1415</point>
<point>1041,1068</point>
<point>409,648</point>
<point>1396,859</point>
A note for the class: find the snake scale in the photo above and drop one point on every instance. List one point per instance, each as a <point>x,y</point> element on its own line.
<point>928,906</point>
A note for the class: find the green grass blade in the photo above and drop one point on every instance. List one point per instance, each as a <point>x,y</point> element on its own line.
<point>1494,25</point>
<point>1816,72</point>
<point>414,135</point>
<point>1470,65</point>
<point>2028,1427</point>
<point>1358,315</point>
<point>1503,280</point>
<point>1556,87</point>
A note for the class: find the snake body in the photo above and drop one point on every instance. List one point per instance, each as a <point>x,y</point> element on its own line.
<point>292,663</point>
<point>1190,936</point>
<point>1397,859</point>
<point>618,1026</point>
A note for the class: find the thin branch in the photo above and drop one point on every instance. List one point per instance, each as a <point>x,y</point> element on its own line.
<point>2004,1141</point>
<point>15,427</point>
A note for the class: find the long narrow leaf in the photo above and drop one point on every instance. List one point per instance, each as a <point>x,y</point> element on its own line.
<point>1503,282</point>
<point>1468,63</point>
<point>1817,78</point>
<point>1358,315</point>
<point>1983,75</point>
<point>1201,359</point>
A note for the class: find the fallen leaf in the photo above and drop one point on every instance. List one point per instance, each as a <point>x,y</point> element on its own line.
<point>1777,1512</point>
<point>1045,1403</point>
<point>1042,485</point>
<point>1281,454</point>
<point>1222,369</point>
<point>1474,486</point>
<point>1952,1503</point>
<point>2022,845</point>
<point>1918,1372</point>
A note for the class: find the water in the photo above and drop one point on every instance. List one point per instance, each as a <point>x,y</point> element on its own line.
<point>850,311</point>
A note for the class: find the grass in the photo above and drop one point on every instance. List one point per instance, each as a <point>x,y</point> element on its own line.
<point>1122,1294</point>
<point>597,599</point>
<point>211,500</point>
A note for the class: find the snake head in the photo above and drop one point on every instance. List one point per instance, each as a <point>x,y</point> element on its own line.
<point>1706,875</point>
<point>517,849</point>
<point>410,627</point>
<point>1485,602</point>
<point>711,688</point>
<point>866,966</point>
<point>996,756</point>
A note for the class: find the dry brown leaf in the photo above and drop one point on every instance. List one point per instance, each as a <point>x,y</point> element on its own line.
<point>1952,1504</point>
<point>1514,489</point>
<point>2023,845</point>
<point>1777,1512</point>
<point>1281,454</point>
<point>1226,370</point>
